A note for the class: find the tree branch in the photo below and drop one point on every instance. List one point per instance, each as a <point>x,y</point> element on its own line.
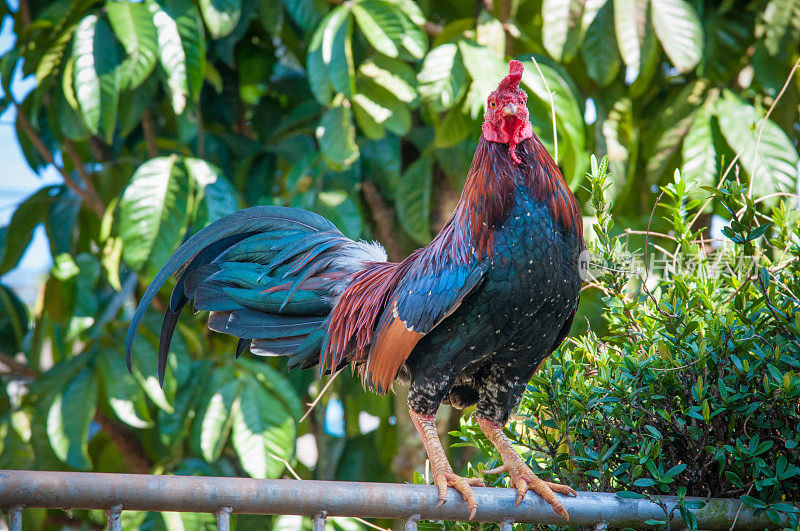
<point>89,194</point>
<point>128,444</point>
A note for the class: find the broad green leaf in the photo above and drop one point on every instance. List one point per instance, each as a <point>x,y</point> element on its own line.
<point>486,70</point>
<point>51,59</point>
<point>774,167</point>
<point>153,212</point>
<point>443,77</point>
<point>599,50</point>
<point>275,383</point>
<point>381,24</point>
<point>263,431</point>
<point>122,391</point>
<point>338,207</point>
<point>337,137</point>
<point>216,420</point>
<point>630,20</point>
<point>173,427</point>
<point>679,29</point>
<point>569,117</point>
<point>221,16</point>
<point>489,32</point>
<point>217,197</point>
<point>670,127</point>
<point>13,321</point>
<point>330,59</point>
<point>307,13</point>
<point>455,127</point>
<point>144,358</point>
<point>383,108</point>
<point>181,48</point>
<point>414,200</point>
<point>370,116</point>
<point>30,213</point>
<point>96,76</point>
<point>133,25</point>
<point>69,418</point>
<point>561,27</point>
<point>781,18</point>
<point>699,154</point>
<point>380,163</point>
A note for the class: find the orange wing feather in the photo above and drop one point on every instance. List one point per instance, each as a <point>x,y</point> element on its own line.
<point>391,347</point>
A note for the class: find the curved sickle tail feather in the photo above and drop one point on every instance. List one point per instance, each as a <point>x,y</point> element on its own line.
<point>269,275</point>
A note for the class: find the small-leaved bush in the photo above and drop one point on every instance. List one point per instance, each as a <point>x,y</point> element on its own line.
<point>693,387</point>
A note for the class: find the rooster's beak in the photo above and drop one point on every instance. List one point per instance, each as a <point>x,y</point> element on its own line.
<point>510,109</point>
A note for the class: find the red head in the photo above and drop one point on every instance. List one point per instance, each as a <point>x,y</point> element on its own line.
<point>506,116</point>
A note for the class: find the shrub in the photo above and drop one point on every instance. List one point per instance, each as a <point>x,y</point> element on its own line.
<point>693,388</point>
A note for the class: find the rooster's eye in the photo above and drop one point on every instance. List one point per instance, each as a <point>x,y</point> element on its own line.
<point>492,104</point>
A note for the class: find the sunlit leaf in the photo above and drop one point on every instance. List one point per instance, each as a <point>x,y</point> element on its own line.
<point>221,16</point>
<point>443,77</point>
<point>699,153</point>
<point>153,212</point>
<point>599,49</point>
<point>133,25</point>
<point>69,418</point>
<point>96,75</point>
<point>679,29</point>
<point>263,431</point>
<point>774,167</point>
<point>336,136</point>
<point>630,20</point>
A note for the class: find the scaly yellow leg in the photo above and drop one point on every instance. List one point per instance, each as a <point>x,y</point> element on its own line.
<point>443,475</point>
<point>521,476</point>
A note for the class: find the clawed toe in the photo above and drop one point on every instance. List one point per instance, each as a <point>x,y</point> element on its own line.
<point>462,485</point>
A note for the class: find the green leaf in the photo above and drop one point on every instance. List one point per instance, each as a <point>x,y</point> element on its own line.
<point>486,70</point>
<point>28,215</point>
<point>679,29</point>
<point>630,20</point>
<point>699,154</point>
<point>781,18</point>
<point>381,24</point>
<point>216,194</point>
<point>133,26</point>
<point>153,212</point>
<point>330,57</point>
<point>13,321</point>
<point>51,59</point>
<point>307,13</point>
<point>774,167</point>
<point>630,495</point>
<point>443,77</point>
<point>221,16</point>
<point>644,482</point>
<point>599,49</point>
<point>181,48</point>
<point>216,420</point>
<point>561,27</point>
<point>338,207</point>
<point>275,383</point>
<point>393,75</point>
<point>122,391</point>
<point>414,200</point>
<point>337,136</point>
<point>96,76</point>
<point>263,431</point>
<point>69,418</point>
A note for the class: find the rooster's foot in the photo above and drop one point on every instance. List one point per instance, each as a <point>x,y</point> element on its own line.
<point>522,478</point>
<point>448,478</point>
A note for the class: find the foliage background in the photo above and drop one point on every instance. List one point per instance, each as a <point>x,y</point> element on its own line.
<point>162,115</point>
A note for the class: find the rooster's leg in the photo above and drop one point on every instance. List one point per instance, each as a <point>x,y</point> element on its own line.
<point>521,476</point>
<point>443,475</point>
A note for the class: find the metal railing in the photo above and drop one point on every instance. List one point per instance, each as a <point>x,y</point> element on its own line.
<point>223,496</point>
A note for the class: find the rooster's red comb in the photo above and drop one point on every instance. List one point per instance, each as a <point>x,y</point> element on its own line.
<point>511,81</point>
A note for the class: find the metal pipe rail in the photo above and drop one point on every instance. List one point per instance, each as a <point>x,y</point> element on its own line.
<point>223,496</point>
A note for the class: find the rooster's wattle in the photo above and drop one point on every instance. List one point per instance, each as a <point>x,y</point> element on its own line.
<point>465,320</point>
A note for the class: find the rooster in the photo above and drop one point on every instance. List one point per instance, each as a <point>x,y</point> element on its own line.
<point>464,321</point>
